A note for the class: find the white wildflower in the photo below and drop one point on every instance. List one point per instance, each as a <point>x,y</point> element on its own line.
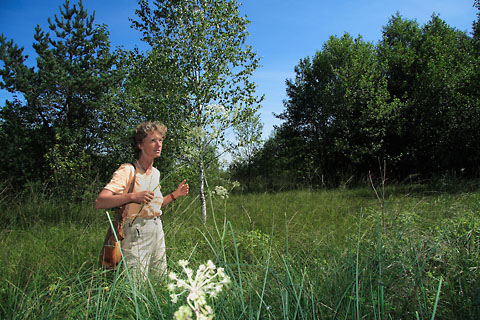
<point>183,313</point>
<point>188,272</point>
<point>201,299</point>
<point>218,288</point>
<point>174,298</point>
<point>210,265</point>
<point>171,287</point>
<point>204,317</point>
<point>209,309</point>
<point>201,268</point>
<point>221,192</point>
<point>183,263</point>
<point>207,282</point>
<point>181,283</point>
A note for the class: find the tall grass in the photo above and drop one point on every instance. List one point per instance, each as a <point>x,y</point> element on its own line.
<point>290,255</point>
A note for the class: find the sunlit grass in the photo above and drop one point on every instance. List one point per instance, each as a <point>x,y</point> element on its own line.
<point>298,254</point>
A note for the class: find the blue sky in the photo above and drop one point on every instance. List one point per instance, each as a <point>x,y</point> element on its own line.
<point>281,32</point>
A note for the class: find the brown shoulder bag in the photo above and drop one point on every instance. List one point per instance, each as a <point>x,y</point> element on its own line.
<point>110,256</point>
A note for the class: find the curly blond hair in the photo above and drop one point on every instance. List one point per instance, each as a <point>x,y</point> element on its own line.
<point>142,130</point>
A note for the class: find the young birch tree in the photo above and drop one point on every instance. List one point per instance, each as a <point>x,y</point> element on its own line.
<point>204,42</point>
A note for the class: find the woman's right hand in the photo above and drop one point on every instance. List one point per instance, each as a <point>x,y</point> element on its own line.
<point>142,197</point>
<point>107,199</point>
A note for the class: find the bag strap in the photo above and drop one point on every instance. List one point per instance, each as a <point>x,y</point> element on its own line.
<point>121,210</point>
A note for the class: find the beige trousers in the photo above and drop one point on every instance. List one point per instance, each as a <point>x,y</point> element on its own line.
<point>144,247</point>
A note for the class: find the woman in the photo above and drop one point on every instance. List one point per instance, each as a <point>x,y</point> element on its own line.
<point>144,244</point>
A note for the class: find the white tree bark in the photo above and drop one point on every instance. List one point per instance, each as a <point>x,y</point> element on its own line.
<point>201,183</point>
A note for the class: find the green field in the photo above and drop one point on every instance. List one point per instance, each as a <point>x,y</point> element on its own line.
<point>324,254</point>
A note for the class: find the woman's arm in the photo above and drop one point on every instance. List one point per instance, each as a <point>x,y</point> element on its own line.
<point>107,199</point>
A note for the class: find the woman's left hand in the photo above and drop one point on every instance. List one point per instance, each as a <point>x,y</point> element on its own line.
<point>182,189</point>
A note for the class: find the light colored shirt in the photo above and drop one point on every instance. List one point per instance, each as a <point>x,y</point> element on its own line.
<point>121,182</point>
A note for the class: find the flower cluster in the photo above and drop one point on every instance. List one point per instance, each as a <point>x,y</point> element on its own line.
<point>221,192</point>
<point>207,282</point>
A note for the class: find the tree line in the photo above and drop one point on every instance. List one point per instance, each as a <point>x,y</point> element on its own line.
<point>409,103</point>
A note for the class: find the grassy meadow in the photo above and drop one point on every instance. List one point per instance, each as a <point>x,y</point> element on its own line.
<point>323,254</point>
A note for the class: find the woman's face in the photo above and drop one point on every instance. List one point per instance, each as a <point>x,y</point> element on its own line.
<point>151,145</point>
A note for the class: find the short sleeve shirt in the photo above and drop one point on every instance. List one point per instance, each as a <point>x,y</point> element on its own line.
<point>120,183</point>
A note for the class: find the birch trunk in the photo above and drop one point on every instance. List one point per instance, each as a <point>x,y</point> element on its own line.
<point>201,183</point>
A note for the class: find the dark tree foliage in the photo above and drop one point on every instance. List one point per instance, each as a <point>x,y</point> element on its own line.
<point>52,130</point>
<point>339,108</point>
<point>430,70</point>
<point>412,100</point>
<point>273,167</point>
